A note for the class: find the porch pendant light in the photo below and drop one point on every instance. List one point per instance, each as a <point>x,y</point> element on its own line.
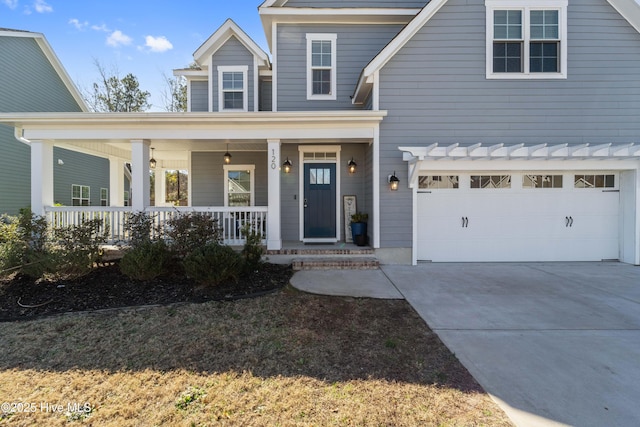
<point>152,161</point>
<point>286,166</point>
<point>393,182</point>
<point>227,156</point>
<point>351,166</point>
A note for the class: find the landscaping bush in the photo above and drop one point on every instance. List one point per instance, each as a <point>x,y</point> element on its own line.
<point>77,247</point>
<point>139,226</point>
<point>25,245</point>
<point>189,231</point>
<point>11,244</point>
<point>213,264</point>
<point>253,250</point>
<point>146,261</point>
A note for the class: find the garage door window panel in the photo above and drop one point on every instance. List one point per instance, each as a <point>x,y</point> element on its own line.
<point>595,181</point>
<point>439,182</point>
<point>490,181</point>
<point>542,181</point>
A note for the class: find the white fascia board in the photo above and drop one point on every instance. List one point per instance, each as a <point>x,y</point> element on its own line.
<point>220,37</point>
<point>54,61</point>
<point>355,16</point>
<point>191,73</point>
<point>629,9</point>
<point>399,41</point>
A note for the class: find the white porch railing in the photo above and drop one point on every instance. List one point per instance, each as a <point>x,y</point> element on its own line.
<point>231,220</point>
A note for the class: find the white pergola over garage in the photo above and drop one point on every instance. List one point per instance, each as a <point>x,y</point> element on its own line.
<point>525,203</point>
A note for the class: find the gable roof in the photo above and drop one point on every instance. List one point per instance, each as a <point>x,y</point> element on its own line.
<point>53,60</point>
<point>220,37</point>
<point>629,9</point>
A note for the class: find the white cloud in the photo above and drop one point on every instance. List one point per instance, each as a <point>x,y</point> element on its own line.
<point>12,4</point>
<point>80,26</point>
<point>102,27</point>
<point>118,38</point>
<point>41,6</point>
<point>158,44</point>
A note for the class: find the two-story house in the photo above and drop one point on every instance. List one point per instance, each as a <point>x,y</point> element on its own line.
<point>468,130</point>
<point>32,79</point>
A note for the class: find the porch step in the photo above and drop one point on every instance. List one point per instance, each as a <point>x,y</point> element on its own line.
<point>322,251</point>
<point>335,263</point>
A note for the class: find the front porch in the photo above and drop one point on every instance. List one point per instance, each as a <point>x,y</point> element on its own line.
<point>274,202</point>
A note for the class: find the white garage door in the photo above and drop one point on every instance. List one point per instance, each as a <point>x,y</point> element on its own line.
<point>518,217</point>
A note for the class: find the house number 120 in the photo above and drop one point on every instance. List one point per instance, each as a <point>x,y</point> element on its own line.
<point>273,160</point>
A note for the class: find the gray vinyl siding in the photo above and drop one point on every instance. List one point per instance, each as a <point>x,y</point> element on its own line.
<point>290,195</point>
<point>233,53</point>
<point>16,173</point>
<point>199,95</point>
<point>356,3</point>
<point>435,90</point>
<point>207,176</point>
<point>79,169</point>
<point>266,98</point>
<point>356,45</point>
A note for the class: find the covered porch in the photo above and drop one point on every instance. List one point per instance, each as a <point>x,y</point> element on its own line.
<point>259,144</point>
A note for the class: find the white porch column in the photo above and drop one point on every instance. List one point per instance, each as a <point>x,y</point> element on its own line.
<point>376,188</point>
<point>116,181</point>
<point>160,187</point>
<point>140,185</point>
<point>41,176</point>
<point>274,240</point>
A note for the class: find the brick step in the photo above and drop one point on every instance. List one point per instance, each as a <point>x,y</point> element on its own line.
<point>342,263</point>
<point>323,251</point>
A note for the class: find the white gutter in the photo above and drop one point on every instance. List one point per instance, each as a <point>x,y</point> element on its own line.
<point>18,134</point>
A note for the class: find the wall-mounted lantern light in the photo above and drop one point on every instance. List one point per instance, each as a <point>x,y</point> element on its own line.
<point>227,156</point>
<point>286,166</point>
<point>393,182</point>
<point>351,166</point>
<point>152,161</point>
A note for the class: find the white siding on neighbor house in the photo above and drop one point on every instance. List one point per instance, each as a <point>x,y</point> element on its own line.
<point>435,90</point>
<point>356,46</point>
<point>207,175</point>
<point>233,53</point>
<point>199,95</point>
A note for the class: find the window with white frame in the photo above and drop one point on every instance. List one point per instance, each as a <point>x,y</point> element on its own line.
<point>104,197</point>
<point>80,195</point>
<point>127,199</point>
<point>233,88</point>
<point>239,185</point>
<point>321,66</point>
<point>526,39</point>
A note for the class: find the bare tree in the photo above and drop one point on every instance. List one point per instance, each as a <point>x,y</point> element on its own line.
<point>114,94</point>
<point>174,94</point>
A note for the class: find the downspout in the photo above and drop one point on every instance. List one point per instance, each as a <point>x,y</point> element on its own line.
<point>18,133</point>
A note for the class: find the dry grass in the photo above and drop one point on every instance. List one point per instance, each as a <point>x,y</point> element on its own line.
<point>288,359</point>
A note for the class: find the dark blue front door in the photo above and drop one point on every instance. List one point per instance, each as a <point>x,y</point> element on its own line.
<point>319,200</point>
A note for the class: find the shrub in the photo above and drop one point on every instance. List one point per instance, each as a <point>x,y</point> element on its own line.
<point>77,247</point>
<point>213,264</point>
<point>139,226</point>
<point>146,261</point>
<point>192,230</point>
<point>11,244</point>
<point>28,250</point>
<point>253,250</point>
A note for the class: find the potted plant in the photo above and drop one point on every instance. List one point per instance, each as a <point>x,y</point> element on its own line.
<point>359,228</point>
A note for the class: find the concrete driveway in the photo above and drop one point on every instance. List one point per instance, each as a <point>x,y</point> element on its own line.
<point>554,343</point>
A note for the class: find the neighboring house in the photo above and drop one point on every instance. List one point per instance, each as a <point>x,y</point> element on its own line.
<point>32,79</point>
<point>512,126</point>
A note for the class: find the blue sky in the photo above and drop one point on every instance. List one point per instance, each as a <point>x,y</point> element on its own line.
<point>143,37</point>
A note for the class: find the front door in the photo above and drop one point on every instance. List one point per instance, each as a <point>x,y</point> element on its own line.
<point>319,200</point>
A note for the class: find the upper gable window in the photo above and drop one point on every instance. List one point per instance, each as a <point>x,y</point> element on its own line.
<point>321,66</point>
<point>232,88</point>
<point>526,39</point>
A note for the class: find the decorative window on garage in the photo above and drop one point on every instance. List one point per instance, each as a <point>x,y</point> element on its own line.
<point>542,181</point>
<point>490,181</point>
<point>438,182</point>
<point>595,181</point>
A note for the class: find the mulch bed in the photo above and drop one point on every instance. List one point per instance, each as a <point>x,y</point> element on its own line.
<point>106,287</point>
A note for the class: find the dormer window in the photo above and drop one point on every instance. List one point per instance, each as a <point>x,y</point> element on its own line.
<point>232,88</point>
<point>321,66</point>
<point>526,39</point>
